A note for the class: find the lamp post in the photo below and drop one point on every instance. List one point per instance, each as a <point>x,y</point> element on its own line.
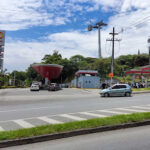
<point>98,26</point>
<point>149,48</point>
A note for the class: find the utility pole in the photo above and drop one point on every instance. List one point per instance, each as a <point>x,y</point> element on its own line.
<point>98,26</point>
<point>113,49</point>
<point>149,48</point>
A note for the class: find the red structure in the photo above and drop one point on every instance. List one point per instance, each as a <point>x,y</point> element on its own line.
<point>83,72</point>
<point>145,70</point>
<point>50,71</point>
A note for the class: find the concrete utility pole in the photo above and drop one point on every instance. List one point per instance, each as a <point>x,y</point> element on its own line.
<point>98,26</point>
<point>113,49</point>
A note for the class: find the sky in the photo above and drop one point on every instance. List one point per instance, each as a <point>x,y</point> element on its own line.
<point>35,28</point>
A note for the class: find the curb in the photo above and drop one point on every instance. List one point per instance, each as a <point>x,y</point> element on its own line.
<point>22,141</point>
<point>140,92</point>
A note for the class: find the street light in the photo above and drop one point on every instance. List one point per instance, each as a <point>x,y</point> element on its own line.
<point>98,26</point>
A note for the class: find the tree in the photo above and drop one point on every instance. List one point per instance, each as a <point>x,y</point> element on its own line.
<point>77,58</point>
<point>55,58</point>
<point>32,75</point>
<point>69,66</point>
<point>68,72</point>
<point>103,66</point>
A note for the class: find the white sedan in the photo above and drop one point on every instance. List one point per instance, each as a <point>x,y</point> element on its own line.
<point>34,87</point>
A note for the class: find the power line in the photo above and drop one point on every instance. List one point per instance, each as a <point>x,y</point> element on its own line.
<point>135,24</point>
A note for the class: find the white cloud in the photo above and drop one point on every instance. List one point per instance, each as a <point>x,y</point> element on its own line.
<point>21,14</point>
<point>75,42</point>
<point>68,44</point>
<point>84,43</point>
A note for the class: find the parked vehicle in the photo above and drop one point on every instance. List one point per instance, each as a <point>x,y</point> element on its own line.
<point>35,87</point>
<point>54,87</point>
<point>37,82</point>
<point>117,90</point>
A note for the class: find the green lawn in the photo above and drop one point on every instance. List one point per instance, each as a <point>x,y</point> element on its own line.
<point>140,89</point>
<point>98,122</point>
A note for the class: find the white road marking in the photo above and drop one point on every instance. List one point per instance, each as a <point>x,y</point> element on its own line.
<point>133,110</point>
<point>23,123</point>
<point>49,120</point>
<point>72,117</point>
<point>92,114</point>
<point>1,129</point>
<point>112,112</point>
<point>141,107</point>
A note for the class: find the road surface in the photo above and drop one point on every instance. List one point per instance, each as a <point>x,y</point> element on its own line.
<point>20,108</point>
<point>125,139</point>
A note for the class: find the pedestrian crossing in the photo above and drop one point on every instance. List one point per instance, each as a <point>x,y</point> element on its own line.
<point>93,114</point>
<point>49,120</point>
<point>73,117</point>
<point>23,123</point>
<point>62,118</point>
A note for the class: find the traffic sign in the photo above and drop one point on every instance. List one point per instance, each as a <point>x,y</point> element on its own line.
<point>111,75</point>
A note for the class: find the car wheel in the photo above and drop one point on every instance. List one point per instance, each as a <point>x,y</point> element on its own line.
<point>127,94</point>
<point>106,95</point>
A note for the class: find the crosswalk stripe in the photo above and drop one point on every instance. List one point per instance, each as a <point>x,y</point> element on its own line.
<point>92,114</point>
<point>133,110</point>
<point>49,120</point>
<point>72,117</point>
<point>141,107</point>
<point>1,129</point>
<point>113,112</point>
<point>23,123</point>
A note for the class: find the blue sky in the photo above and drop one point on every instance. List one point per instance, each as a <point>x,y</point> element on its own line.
<point>37,27</point>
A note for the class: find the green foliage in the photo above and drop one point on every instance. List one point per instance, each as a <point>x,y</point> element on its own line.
<point>69,66</point>
<point>77,58</point>
<point>103,66</point>
<point>55,58</point>
<point>79,62</point>
<point>132,61</point>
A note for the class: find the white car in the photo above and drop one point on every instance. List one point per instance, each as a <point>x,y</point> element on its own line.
<point>34,87</point>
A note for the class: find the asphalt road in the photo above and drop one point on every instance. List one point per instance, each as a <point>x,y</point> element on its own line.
<point>23,105</point>
<point>125,139</point>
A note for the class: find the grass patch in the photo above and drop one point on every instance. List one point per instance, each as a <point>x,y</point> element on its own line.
<point>58,128</point>
<point>140,89</point>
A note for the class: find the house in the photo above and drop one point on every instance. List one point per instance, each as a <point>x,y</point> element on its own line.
<point>86,79</point>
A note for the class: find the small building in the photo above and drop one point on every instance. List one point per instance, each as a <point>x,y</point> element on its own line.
<point>86,79</point>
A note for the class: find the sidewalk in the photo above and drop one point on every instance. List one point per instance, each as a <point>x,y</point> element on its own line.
<point>97,91</point>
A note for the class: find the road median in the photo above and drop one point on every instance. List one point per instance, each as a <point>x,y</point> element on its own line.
<point>52,132</point>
